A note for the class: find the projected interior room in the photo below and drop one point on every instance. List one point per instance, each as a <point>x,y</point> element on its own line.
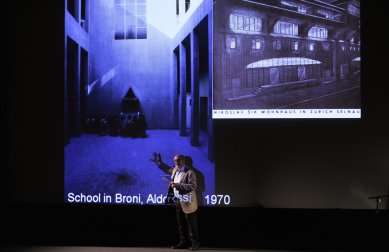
<point>286,55</point>
<point>137,81</point>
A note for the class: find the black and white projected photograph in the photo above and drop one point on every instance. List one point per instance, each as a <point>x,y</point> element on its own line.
<point>286,59</point>
<point>137,89</point>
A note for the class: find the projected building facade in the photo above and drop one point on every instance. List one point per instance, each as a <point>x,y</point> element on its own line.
<point>263,48</point>
<point>131,58</point>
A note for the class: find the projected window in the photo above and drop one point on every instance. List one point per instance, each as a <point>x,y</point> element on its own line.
<point>71,4</point>
<point>187,5</point>
<point>245,23</point>
<point>277,45</point>
<point>281,62</point>
<point>294,6</point>
<point>256,44</point>
<point>130,19</point>
<point>317,32</point>
<point>311,47</point>
<point>352,9</point>
<point>286,28</point>
<point>231,42</point>
<point>295,46</point>
<point>326,14</point>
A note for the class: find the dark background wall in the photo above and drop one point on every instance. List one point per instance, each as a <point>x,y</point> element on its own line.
<point>33,177</point>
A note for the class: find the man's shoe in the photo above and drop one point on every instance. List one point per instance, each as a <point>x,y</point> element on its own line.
<point>195,247</point>
<point>180,245</point>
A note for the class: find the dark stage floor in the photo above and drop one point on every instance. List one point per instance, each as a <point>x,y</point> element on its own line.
<point>140,249</point>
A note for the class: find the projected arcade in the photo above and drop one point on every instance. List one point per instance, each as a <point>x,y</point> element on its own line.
<point>286,59</point>
<point>136,82</point>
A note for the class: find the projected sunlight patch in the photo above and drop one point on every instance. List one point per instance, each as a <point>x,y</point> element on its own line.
<point>162,15</point>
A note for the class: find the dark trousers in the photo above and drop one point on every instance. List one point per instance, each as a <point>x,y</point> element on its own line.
<point>187,225</point>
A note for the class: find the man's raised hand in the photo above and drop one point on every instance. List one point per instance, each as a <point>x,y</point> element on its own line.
<point>157,158</point>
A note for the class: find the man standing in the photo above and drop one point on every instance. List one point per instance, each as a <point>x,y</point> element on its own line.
<point>183,192</point>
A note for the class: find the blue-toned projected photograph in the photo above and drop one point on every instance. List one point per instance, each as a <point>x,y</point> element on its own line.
<point>137,83</point>
<point>286,59</point>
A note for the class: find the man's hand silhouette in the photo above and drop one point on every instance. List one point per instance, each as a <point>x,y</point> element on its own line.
<point>157,158</point>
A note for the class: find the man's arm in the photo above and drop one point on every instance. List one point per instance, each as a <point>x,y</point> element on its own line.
<point>157,159</point>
